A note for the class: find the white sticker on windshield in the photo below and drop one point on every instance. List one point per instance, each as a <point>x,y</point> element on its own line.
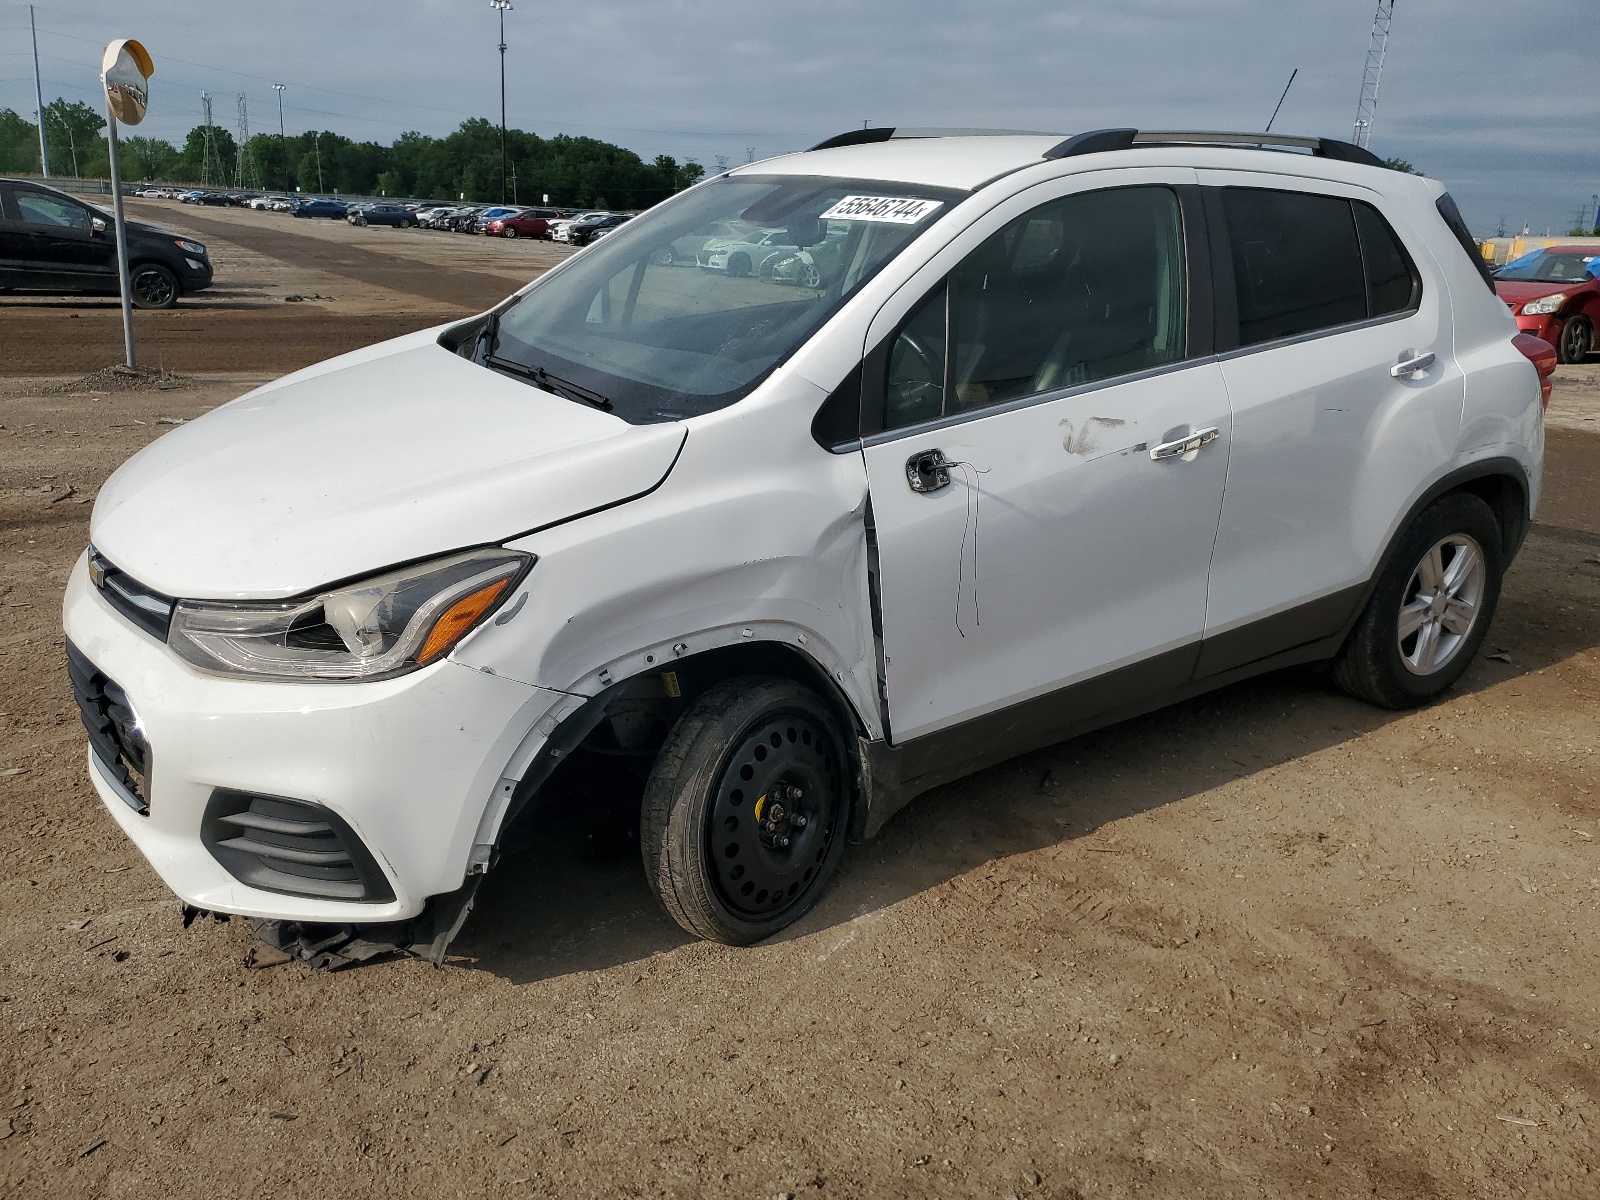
<point>898,210</point>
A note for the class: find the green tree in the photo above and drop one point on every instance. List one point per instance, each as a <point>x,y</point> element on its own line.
<point>19,145</point>
<point>192,161</point>
<point>1401,165</point>
<point>147,158</point>
<point>73,131</point>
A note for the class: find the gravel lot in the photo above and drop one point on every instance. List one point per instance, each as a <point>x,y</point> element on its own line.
<point>1270,942</point>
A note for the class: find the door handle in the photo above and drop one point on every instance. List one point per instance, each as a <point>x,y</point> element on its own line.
<point>1184,445</point>
<point>1414,365</point>
<point>928,471</point>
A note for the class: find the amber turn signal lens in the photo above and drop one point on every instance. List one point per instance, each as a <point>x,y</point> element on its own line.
<point>458,618</point>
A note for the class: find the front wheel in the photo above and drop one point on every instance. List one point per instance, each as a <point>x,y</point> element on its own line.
<point>1575,340</point>
<point>153,286</point>
<point>510,232</point>
<point>744,814</point>
<point>1430,610</point>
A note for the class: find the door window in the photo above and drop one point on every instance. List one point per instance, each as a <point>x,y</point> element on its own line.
<point>1302,263</point>
<point>36,208</point>
<point>1084,288</point>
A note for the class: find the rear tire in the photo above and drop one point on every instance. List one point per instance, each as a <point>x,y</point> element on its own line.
<point>1575,340</point>
<point>744,816</point>
<point>1431,609</point>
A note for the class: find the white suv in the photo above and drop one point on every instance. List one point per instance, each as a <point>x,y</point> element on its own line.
<point>1063,431</point>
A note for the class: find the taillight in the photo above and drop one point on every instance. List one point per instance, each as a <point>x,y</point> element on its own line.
<point>1543,357</point>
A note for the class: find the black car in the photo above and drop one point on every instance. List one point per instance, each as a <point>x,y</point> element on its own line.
<point>53,242</point>
<point>382,214</point>
<point>583,232</point>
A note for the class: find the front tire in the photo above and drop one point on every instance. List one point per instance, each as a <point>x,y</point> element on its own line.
<point>1575,340</point>
<point>153,286</point>
<point>744,815</point>
<point>1431,609</point>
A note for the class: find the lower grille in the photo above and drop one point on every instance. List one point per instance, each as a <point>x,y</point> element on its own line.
<point>115,735</point>
<point>291,846</point>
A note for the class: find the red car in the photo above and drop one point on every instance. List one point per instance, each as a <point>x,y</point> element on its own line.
<point>1555,295</point>
<point>534,223</point>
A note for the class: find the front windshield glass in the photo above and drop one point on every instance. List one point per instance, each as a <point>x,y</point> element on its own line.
<point>685,309</point>
<point>1542,267</point>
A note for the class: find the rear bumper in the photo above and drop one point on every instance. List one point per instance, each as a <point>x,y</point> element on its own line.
<point>409,765</point>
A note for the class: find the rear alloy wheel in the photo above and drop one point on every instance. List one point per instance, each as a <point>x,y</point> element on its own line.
<point>153,286</point>
<point>1575,341</point>
<point>744,815</point>
<point>1430,610</point>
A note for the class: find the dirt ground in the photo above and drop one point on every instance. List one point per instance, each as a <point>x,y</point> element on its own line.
<point>1271,942</point>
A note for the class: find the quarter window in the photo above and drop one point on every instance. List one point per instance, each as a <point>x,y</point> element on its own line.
<point>1392,282</point>
<point>1084,288</point>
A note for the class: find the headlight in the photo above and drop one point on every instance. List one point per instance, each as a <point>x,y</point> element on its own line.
<point>191,247</point>
<point>372,629</point>
<point>1544,305</point>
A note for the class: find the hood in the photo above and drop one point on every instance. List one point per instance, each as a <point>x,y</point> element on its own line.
<point>1520,292</point>
<point>390,454</point>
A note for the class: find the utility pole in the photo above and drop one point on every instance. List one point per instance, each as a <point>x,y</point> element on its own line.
<point>244,169</point>
<point>1367,106</point>
<point>283,142</point>
<point>502,7</point>
<point>38,92</point>
<point>316,140</point>
<point>211,173</point>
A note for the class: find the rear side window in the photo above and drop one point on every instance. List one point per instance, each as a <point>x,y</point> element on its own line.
<point>1296,263</point>
<point>1304,262</point>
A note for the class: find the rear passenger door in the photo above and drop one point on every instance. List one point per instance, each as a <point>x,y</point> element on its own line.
<point>1331,438</point>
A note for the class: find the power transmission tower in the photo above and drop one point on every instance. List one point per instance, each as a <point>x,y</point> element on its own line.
<point>1367,107</point>
<point>245,174</point>
<point>211,172</point>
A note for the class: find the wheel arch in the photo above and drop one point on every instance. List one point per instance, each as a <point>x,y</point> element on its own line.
<point>691,675</point>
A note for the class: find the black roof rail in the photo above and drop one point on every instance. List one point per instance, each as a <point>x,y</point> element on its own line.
<point>1100,140</point>
<point>856,137</point>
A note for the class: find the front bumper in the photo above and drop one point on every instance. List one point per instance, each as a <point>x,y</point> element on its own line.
<point>1546,326</point>
<point>194,274</point>
<point>409,764</point>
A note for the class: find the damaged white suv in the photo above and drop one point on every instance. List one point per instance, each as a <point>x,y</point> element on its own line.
<point>1033,434</point>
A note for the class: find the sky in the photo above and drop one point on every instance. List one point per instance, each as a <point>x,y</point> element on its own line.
<point>1494,98</point>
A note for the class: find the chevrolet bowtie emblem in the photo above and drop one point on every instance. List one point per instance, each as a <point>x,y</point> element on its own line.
<point>97,570</point>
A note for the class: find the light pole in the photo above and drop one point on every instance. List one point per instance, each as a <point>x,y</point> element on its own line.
<point>283,142</point>
<point>503,7</point>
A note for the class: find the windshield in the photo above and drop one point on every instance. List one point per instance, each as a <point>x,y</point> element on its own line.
<point>682,311</point>
<point>1543,267</point>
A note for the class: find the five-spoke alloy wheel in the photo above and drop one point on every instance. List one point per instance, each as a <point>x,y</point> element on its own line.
<point>1430,609</point>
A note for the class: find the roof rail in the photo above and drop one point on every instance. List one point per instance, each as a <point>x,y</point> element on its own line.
<point>1100,140</point>
<point>861,137</point>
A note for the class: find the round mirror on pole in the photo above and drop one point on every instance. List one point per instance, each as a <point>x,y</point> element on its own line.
<point>125,70</point>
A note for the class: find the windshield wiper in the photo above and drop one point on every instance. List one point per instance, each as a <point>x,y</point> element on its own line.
<point>554,383</point>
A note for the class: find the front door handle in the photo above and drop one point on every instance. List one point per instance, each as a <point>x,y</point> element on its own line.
<point>1184,445</point>
<point>1408,366</point>
<point>928,471</point>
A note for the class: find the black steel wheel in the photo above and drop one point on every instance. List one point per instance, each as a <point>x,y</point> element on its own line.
<point>153,286</point>
<point>1575,341</point>
<point>739,265</point>
<point>745,812</point>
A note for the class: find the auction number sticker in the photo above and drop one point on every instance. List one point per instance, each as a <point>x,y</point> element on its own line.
<point>897,210</point>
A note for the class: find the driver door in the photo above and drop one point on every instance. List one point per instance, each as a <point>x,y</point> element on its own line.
<point>59,244</point>
<point>1048,478</point>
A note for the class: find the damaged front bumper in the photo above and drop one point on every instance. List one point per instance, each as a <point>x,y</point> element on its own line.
<point>311,806</point>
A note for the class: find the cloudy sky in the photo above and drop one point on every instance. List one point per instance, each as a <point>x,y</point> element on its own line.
<point>1495,98</point>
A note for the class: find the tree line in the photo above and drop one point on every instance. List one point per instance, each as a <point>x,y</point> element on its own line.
<point>572,171</point>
